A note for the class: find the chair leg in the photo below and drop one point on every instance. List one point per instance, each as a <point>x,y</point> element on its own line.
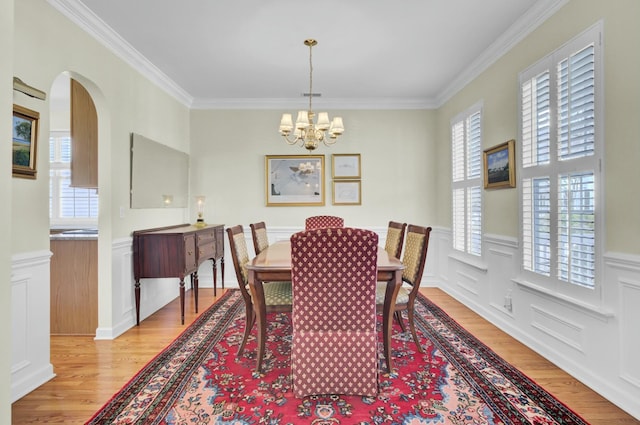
<point>398,316</point>
<point>412,325</point>
<point>250,319</point>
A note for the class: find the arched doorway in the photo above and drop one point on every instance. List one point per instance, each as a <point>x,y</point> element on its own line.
<point>74,206</point>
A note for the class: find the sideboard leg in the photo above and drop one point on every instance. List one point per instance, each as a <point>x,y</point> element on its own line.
<point>137,290</point>
<point>182,299</point>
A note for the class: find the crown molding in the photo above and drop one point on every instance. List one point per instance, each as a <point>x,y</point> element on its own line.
<point>82,16</point>
<point>525,25</point>
<point>94,26</point>
<point>297,103</point>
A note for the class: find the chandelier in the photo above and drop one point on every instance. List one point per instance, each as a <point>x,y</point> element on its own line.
<point>307,133</point>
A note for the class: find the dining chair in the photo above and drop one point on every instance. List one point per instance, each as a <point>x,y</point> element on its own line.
<point>322,221</point>
<point>277,295</point>
<point>334,348</point>
<point>413,259</point>
<point>259,236</point>
<point>395,238</point>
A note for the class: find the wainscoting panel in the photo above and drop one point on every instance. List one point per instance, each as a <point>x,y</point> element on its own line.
<point>630,331</point>
<point>563,330</point>
<point>597,345</point>
<point>30,353</point>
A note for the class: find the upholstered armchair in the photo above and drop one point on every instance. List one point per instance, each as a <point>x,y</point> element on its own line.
<point>277,295</point>
<point>259,236</point>
<point>334,348</point>
<point>414,258</point>
<point>395,238</point>
<point>322,221</point>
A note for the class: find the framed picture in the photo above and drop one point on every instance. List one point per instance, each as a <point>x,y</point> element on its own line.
<point>499,166</point>
<point>345,166</point>
<point>347,192</point>
<point>294,180</point>
<point>24,139</point>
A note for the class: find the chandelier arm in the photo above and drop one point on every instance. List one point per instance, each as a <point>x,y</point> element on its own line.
<point>329,141</point>
<point>289,141</point>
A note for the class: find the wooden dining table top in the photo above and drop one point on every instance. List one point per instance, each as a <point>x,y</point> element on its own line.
<point>278,257</point>
<point>274,264</point>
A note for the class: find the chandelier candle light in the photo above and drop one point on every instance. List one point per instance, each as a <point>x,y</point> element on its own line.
<point>308,133</point>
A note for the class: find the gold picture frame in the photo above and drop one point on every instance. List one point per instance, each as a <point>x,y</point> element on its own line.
<point>345,166</point>
<point>25,141</point>
<point>294,180</point>
<point>499,166</point>
<point>347,192</point>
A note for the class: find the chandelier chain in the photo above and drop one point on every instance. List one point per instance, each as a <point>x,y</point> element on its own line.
<point>308,132</point>
<point>310,77</point>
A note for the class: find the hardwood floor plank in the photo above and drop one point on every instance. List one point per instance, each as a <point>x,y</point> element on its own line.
<point>89,372</point>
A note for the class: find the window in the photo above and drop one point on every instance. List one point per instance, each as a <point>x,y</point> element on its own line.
<point>466,167</point>
<point>560,178</point>
<point>67,205</point>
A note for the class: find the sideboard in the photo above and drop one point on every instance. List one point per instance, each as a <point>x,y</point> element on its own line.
<point>177,251</point>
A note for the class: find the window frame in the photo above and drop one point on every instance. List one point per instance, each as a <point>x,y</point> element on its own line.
<point>467,184</point>
<point>556,168</point>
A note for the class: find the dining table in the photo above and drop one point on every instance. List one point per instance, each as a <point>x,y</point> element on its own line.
<point>274,264</point>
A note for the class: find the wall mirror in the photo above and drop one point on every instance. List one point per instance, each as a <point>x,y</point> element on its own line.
<point>159,175</point>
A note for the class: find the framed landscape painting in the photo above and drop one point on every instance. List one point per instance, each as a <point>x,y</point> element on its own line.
<point>24,140</point>
<point>294,180</point>
<point>499,166</point>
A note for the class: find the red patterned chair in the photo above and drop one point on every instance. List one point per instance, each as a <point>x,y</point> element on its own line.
<point>323,221</point>
<point>395,238</point>
<point>277,295</point>
<point>414,259</point>
<point>259,236</point>
<point>334,349</point>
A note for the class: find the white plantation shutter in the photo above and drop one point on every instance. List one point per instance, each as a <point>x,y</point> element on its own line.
<point>560,163</point>
<point>576,229</point>
<point>474,146</point>
<point>466,175</point>
<point>457,151</point>
<point>67,204</point>
<point>474,220</point>
<point>458,219</point>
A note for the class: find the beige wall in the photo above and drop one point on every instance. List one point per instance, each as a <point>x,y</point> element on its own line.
<point>6,90</point>
<point>498,88</point>
<point>398,154</point>
<point>405,154</point>
<point>126,102</point>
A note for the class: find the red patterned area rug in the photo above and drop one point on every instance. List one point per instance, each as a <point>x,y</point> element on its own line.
<point>458,380</point>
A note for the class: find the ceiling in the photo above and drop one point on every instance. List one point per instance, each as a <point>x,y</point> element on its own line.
<point>250,53</point>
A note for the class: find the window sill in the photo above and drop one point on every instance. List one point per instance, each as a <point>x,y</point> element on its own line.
<point>592,310</point>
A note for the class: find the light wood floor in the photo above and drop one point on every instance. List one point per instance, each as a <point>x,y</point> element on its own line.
<point>89,372</point>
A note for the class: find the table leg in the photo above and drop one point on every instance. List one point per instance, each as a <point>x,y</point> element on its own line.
<point>257,295</point>
<point>195,283</point>
<point>215,277</point>
<point>182,298</point>
<point>222,271</point>
<point>137,291</point>
<point>393,286</point>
